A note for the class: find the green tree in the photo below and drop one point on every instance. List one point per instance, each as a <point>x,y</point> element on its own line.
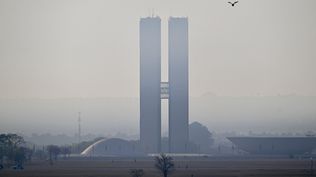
<point>20,155</point>
<point>11,147</point>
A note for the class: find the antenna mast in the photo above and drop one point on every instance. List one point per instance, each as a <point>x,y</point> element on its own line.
<point>79,127</point>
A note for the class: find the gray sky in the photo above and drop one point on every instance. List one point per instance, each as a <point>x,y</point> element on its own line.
<point>81,48</point>
<point>87,49</point>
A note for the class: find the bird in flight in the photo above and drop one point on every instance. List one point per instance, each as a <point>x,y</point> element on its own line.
<point>233,3</point>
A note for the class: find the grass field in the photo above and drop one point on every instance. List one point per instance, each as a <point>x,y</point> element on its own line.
<point>184,168</point>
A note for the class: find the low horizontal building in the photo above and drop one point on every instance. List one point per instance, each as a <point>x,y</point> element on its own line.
<point>275,145</point>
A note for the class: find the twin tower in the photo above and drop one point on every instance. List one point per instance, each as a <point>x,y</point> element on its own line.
<point>152,89</point>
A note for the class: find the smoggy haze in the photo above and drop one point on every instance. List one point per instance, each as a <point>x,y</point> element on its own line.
<point>90,49</point>
<point>56,49</point>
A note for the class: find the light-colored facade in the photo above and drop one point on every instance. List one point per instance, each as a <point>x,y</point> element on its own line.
<point>152,90</point>
<point>150,77</point>
<point>178,85</point>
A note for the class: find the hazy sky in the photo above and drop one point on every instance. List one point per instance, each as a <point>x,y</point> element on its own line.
<point>81,48</point>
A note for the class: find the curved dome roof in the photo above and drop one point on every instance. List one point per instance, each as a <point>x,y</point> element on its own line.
<point>111,147</point>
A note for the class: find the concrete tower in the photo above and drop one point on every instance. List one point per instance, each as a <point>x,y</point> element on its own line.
<point>178,85</point>
<point>150,77</point>
<point>152,90</point>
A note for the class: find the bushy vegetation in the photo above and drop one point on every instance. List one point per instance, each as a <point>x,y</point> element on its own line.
<point>13,150</point>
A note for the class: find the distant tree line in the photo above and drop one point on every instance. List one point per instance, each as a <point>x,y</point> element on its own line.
<point>14,151</point>
<point>52,152</point>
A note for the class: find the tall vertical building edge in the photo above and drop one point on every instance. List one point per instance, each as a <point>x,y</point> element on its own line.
<point>178,85</point>
<point>150,78</point>
<point>152,90</point>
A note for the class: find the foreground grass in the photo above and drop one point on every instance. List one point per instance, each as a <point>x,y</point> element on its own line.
<point>184,168</point>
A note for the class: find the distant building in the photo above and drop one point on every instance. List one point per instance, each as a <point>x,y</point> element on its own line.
<point>178,85</point>
<point>150,78</point>
<point>275,145</point>
<point>152,90</point>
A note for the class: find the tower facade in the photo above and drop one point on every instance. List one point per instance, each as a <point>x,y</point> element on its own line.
<point>178,85</point>
<point>152,90</point>
<point>150,77</point>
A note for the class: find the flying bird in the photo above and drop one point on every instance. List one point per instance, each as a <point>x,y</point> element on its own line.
<point>233,3</point>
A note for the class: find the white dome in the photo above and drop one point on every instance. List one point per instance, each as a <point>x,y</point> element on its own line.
<point>112,147</point>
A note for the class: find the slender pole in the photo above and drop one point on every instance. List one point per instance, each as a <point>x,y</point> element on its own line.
<point>79,127</point>
<point>79,131</point>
